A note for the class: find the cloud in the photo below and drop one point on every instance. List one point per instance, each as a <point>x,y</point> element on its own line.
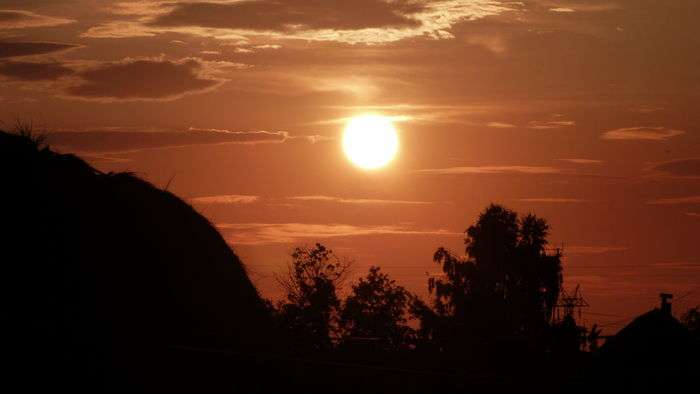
<point>594,249</point>
<point>681,168</point>
<point>535,170</point>
<point>562,10</point>
<point>291,15</point>
<point>15,49</point>
<point>582,161</point>
<point>692,214</point>
<point>556,200</point>
<point>311,138</point>
<point>143,79</point>
<point>121,29</point>
<point>134,141</point>
<point>500,125</point>
<point>225,199</point>
<point>19,19</point>
<point>641,133</point>
<point>268,46</point>
<point>360,201</point>
<point>240,48</point>
<point>645,109</point>
<point>492,43</point>
<point>549,124</point>
<point>265,233</point>
<point>29,71</point>
<point>677,265</point>
<point>357,21</point>
<point>675,200</point>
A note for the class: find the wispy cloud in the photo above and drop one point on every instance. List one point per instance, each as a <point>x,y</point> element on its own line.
<point>549,124</point>
<point>422,113</point>
<point>266,233</point>
<point>641,133</point>
<point>562,10</point>
<point>91,142</point>
<point>645,109</point>
<point>493,43</point>
<point>597,249</point>
<point>359,201</point>
<point>555,200</point>
<point>10,49</point>
<point>359,21</point>
<point>500,125</point>
<point>677,265</point>
<point>534,170</point>
<point>20,19</point>
<point>34,71</point>
<point>582,161</point>
<point>167,79</point>
<point>225,199</point>
<point>679,168</point>
<point>675,200</point>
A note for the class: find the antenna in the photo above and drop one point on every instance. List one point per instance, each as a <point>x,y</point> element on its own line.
<point>569,305</point>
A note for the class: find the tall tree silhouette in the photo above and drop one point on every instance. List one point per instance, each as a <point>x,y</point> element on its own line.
<point>310,284</point>
<point>378,308</point>
<point>505,287</point>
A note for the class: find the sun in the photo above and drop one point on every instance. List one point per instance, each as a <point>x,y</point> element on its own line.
<point>370,141</point>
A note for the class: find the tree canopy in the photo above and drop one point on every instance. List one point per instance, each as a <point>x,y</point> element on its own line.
<point>310,284</point>
<point>378,308</point>
<point>506,286</point>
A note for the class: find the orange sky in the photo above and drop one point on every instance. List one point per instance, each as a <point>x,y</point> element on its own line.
<point>583,112</point>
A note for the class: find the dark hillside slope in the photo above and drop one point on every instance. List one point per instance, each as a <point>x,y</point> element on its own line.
<point>98,268</point>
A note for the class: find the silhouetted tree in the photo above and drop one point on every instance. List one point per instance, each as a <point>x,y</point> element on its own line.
<point>566,337</point>
<point>310,284</point>
<point>691,320</point>
<point>378,308</point>
<point>592,338</point>
<point>506,286</point>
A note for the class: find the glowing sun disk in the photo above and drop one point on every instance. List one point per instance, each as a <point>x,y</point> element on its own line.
<point>370,141</point>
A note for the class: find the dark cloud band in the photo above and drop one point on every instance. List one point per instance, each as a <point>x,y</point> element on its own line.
<point>125,141</point>
<point>286,15</point>
<point>142,80</point>
<point>29,71</point>
<point>15,49</point>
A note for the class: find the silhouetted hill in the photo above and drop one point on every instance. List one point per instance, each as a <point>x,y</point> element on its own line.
<point>100,269</point>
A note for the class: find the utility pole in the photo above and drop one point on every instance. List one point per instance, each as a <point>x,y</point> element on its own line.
<point>569,304</point>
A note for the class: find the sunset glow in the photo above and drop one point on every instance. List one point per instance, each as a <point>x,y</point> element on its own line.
<point>370,141</point>
<point>380,129</point>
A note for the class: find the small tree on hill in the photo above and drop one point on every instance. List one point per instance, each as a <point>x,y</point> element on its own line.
<point>311,306</point>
